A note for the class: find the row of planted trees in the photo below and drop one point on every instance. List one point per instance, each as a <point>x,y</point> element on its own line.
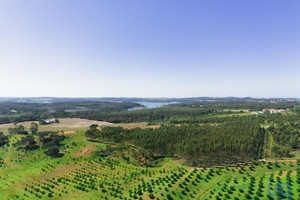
<point>238,140</point>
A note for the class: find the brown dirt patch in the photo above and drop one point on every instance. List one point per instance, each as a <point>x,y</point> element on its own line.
<point>142,125</point>
<point>279,160</point>
<point>86,151</point>
<point>75,122</point>
<point>69,132</point>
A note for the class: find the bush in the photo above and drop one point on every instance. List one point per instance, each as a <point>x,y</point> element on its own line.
<point>53,151</point>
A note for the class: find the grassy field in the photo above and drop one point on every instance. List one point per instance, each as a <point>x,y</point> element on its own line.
<point>82,174</point>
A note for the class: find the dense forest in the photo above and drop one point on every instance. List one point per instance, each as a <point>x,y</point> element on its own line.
<point>284,133</point>
<point>163,113</point>
<point>241,139</point>
<point>19,112</point>
<point>12,108</point>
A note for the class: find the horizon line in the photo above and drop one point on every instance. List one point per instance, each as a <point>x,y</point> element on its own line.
<point>132,97</point>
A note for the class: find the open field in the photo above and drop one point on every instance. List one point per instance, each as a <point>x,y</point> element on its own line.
<point>72,124</point>
<point>75,124</point>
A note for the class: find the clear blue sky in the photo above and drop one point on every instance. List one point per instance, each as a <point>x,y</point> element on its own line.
<point>150,48</point>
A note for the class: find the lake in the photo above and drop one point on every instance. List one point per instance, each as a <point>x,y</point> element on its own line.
<point>151,104</point>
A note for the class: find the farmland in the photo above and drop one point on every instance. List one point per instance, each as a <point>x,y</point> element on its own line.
<point>87,176</point>
<point>220,154</point>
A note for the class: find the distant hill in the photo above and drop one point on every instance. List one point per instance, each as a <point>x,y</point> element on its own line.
<point>135,99</point>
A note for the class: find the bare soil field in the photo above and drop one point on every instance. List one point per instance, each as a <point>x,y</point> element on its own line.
<point>72,124</point>
<point>136,125</point>
<point>75,122</point>
<point>86,151</point>
<point>69,133</point>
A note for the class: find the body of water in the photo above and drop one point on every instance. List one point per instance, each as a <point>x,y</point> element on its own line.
<point>151,104</point>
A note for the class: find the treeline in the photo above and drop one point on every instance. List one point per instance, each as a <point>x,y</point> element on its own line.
<point>236,141</point>
<point>149,115</point>
<point>212,119</point>
<point>183,113</point>
<point>9,108</point>
<point>252,105</point>
<point>217,118</point>
<point>50,141</point>
<point>20,112</point>
<point>20,118</point>
<point>285,132</point>
<point>3,139</point>
<point>33,117</point>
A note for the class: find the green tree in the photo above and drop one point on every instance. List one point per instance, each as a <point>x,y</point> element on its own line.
<point>93,132</point>
<point>53,151</point>
<point>3,140</point>
<point>34,128</point>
